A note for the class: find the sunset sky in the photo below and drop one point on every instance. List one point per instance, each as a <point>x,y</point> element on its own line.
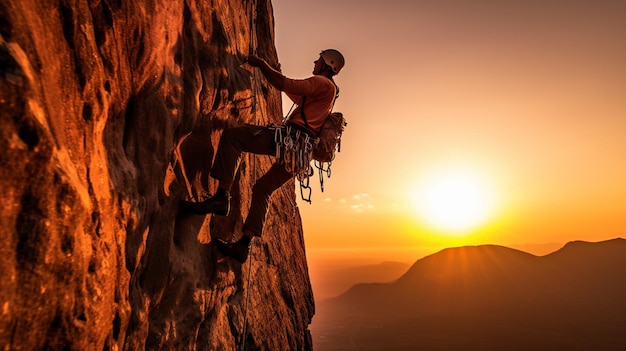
<point>514,109</point>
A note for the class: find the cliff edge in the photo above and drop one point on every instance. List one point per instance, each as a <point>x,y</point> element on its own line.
<point>111,111</point>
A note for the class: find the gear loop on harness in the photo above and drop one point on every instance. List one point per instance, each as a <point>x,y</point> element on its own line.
<point>302,190</point>
<point>294,149</point>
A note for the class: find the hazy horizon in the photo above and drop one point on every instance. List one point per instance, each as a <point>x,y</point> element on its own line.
<point>328,268</point>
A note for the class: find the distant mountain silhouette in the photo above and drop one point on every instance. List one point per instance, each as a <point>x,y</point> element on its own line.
<point>331,279</point>
<point>488,298</point>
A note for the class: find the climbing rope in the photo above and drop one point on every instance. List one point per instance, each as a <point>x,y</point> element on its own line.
<point>253,50</point>
<point>178,165</point>
<point>305,147</point>
<point>244,334</point>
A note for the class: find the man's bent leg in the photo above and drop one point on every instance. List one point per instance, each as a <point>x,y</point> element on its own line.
<point>234,141</point>
<point>263,188</point>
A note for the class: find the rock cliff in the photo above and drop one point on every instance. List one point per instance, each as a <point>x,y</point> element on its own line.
<point>111,111</point>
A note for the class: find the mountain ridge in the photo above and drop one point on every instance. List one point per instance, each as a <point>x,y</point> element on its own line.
<point>490,297</point>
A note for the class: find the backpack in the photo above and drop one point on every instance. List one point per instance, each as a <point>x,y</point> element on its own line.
<point>329,138</point>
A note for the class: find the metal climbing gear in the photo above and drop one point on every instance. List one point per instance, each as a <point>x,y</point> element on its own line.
<point>294,149</point>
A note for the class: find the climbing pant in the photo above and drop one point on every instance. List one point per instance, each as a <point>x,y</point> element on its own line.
<point>257,140</point>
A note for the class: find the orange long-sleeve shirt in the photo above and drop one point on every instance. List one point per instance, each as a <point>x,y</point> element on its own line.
<point>320,96</point>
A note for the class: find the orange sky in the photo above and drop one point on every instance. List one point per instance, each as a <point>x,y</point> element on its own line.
<point>531,95</point>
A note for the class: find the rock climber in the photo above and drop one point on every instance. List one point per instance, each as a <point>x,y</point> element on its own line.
<point>317,93</point>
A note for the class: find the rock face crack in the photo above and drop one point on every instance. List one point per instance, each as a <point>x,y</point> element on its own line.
<point>110,114</point>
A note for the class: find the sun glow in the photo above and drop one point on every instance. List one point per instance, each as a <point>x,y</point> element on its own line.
<point>455,201</point>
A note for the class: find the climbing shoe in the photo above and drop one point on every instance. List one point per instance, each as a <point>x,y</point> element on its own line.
<point>218,204</point>
<point>237,250</point>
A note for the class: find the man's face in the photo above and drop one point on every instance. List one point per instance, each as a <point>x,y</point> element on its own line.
<point>319,65</point>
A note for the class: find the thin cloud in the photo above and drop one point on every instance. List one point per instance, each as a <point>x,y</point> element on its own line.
<point>357,203</point>
<point>360,203</point>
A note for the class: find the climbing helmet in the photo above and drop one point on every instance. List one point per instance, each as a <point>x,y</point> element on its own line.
<point>334,59</point>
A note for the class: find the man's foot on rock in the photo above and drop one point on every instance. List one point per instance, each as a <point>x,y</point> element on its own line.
<point>218,204</point>
<point>238,250</point>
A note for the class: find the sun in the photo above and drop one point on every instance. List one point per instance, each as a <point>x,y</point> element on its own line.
<point>454,200</point>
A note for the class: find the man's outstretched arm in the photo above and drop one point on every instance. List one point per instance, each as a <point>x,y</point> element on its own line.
<point>273,76</point>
